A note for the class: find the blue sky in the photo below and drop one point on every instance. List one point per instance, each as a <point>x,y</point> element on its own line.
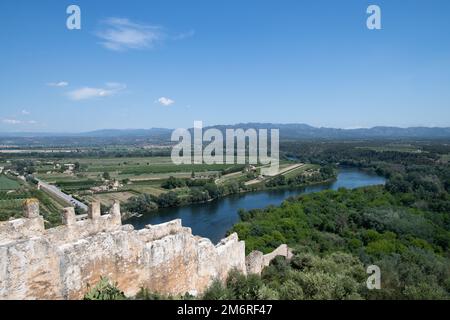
<point>142,64</point>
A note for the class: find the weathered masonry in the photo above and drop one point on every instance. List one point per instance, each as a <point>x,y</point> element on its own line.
<point>60,263</point>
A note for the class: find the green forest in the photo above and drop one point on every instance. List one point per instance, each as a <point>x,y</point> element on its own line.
<point>402,227</point>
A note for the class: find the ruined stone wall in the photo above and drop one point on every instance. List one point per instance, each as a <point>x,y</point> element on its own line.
<point>61,262</point>
<point>256,261</point>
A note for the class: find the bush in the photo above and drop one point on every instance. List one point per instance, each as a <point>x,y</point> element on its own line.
<point>217,291</point>
<point>104,290</point>
<point>173,183</point>
<point>142,204</point>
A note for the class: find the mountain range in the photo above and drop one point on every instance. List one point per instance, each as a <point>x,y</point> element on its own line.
<point>287,131</point>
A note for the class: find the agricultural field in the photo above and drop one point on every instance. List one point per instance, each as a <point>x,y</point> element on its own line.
<point>113,177</point>
<point>148,187</point>
<point>108,198</point>
<point>7,183</point>
<point>445,158</point>
<point>394,147</point>
<point>89,179</point>
<point>11,204</point>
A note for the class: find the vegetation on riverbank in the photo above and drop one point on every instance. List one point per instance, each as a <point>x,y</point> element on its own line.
<point>403,227</point>
<point>187,191</point>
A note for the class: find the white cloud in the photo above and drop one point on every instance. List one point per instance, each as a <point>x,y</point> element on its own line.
<point>11,121</point>
<point>121,34</point>
<point>25,112</point>
<point>111,88</point>
<point>17,122</point>
<point>58,84</point>
<point>165,101</point>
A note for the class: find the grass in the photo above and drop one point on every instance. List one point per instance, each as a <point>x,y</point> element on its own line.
<point>170,168</point>
<point>445,158</point>
<point>10,208</point>
<point>394,147</point>
<point>236,176</point>
<point>133,168</point>
<point>8,184</point>
<point>11,205</point>
<point>155,176</point>
<point>148,189</point>
<point>107,199</point>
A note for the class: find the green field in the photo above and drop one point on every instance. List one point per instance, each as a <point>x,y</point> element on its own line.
<point>121,178</point>
<point>108,198</point>
<point>394,148</point>
<point>8,183</point>
<point>445,158</point>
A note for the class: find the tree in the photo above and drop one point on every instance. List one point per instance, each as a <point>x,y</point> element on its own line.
<point>173,183</point>
<point>212,189</point>
<point>142,204</point>
<point>217,291</point>
<point>169,199</point>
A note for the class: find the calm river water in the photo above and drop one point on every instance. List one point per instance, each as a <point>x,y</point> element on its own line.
<point>213,219</point>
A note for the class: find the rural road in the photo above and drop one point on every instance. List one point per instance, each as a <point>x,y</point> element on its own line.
<point>58,193</point>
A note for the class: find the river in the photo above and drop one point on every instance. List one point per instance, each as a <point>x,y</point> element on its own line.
<point>213,219</point>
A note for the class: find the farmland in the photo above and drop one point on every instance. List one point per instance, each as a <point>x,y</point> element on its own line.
<point>11,204</point>
<point>132,179</point>
<point>445,158</point>
<point>395,147</point>
<point>8,183</point>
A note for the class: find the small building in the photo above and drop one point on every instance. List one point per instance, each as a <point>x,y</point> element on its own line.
<point>69,166</point>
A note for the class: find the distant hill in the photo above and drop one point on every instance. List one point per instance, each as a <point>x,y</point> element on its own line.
<point>287,131</point>
<point>105,133</point>
<point>153,132</point>
<point>304,131</point>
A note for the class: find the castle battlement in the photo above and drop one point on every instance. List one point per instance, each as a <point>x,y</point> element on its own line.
<point>32,224</point>
<point>61,262</point>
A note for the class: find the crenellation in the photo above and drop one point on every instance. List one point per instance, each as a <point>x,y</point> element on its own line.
<point>68,217</point>
<point>31,225</point>
<point>115,209</point>
<point>61,262</point>
<point>31,208</point>
<point>94,212</point>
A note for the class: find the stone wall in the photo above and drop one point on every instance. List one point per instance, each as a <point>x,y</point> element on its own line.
<point>61,263</point>
<point>256,261</point>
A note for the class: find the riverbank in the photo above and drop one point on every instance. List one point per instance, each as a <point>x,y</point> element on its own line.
<point>213,219</point>
<point>202,194</point>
